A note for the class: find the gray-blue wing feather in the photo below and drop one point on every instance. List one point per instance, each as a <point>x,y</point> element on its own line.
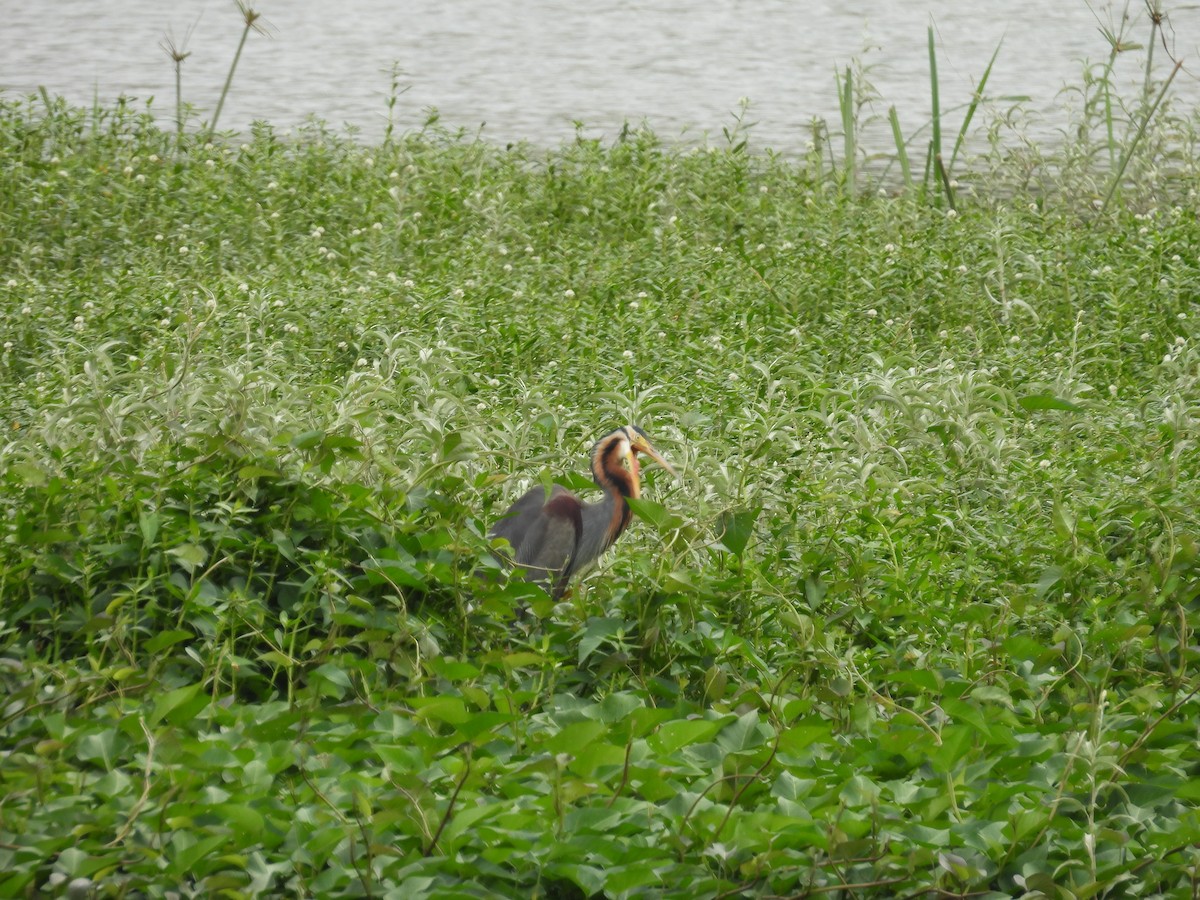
<point>544,535</point>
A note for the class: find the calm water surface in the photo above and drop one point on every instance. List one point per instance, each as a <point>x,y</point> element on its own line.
<point>529,70</point>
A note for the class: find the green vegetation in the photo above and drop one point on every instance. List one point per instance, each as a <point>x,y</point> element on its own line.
<point>918,620</point>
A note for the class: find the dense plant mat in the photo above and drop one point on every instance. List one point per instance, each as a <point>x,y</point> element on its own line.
<point>918,619</point>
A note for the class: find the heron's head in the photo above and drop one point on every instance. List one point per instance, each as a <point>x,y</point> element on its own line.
<point>615,462</point>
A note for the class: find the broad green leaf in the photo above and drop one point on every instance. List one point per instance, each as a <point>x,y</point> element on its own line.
<point>165,639</point>
<point>244,820</point>
<point>682,732</point>
<point>308,439</point>
<point>190,556</point>
<point>177,706</point>
<point>575,736</point>
<point>741,734</point>
<point>735,527</point>
<point>484,725</point>
<point>657,515</point>
<point>596,632</point>
<point>447,709</point>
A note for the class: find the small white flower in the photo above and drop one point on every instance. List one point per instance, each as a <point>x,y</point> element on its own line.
<point>1167,358</point>
<point>183,251</point>
<point>961,270</point>
<point>409,283</point>
<point>361,363</point>
<point>553,364</point>
<point>278,304</point>
<point>27,310</point>
<point>952,214</point>
<point>1044,464</point>
<point>889,248</point>
<point>211,303</point>
<point>458,293</point>
<point>210,163</point>
<point>1181,316</point>
<point>493,382</point>
<point>733,376</point>
<point>872,313</point>
<point>568,293</point>
<point>628,354</point>
<point>943,334</point>
<point>642,295</point>
<point>12,282</point>
<point>1180,341</point>
<point>1112,390</point>
<point>507,267</point>
<point>8,345</point>
<point>1015,339</point>
<point>634,305</point>
<point>342,345</point>
<point>1145,336</point>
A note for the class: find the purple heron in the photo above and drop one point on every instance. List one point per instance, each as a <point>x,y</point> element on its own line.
<point>554,536</point>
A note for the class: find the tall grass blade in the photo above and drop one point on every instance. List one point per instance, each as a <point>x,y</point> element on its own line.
<point>849,142</point>
<point>901,149</point>
<point>935,100</point>
<point>976,98</point>
<point>1137,137</point>
<point>250,18</point>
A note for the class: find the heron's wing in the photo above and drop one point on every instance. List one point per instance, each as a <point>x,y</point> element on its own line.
<point>515,525</point>
<point>544,535</point>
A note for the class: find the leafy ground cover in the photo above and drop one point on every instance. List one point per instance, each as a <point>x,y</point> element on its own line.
<point>919,619</point>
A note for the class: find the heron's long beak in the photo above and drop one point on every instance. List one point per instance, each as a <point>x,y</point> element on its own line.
<point>640,444</point>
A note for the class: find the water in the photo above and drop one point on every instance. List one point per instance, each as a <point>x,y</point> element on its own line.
<point>530,69</point>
